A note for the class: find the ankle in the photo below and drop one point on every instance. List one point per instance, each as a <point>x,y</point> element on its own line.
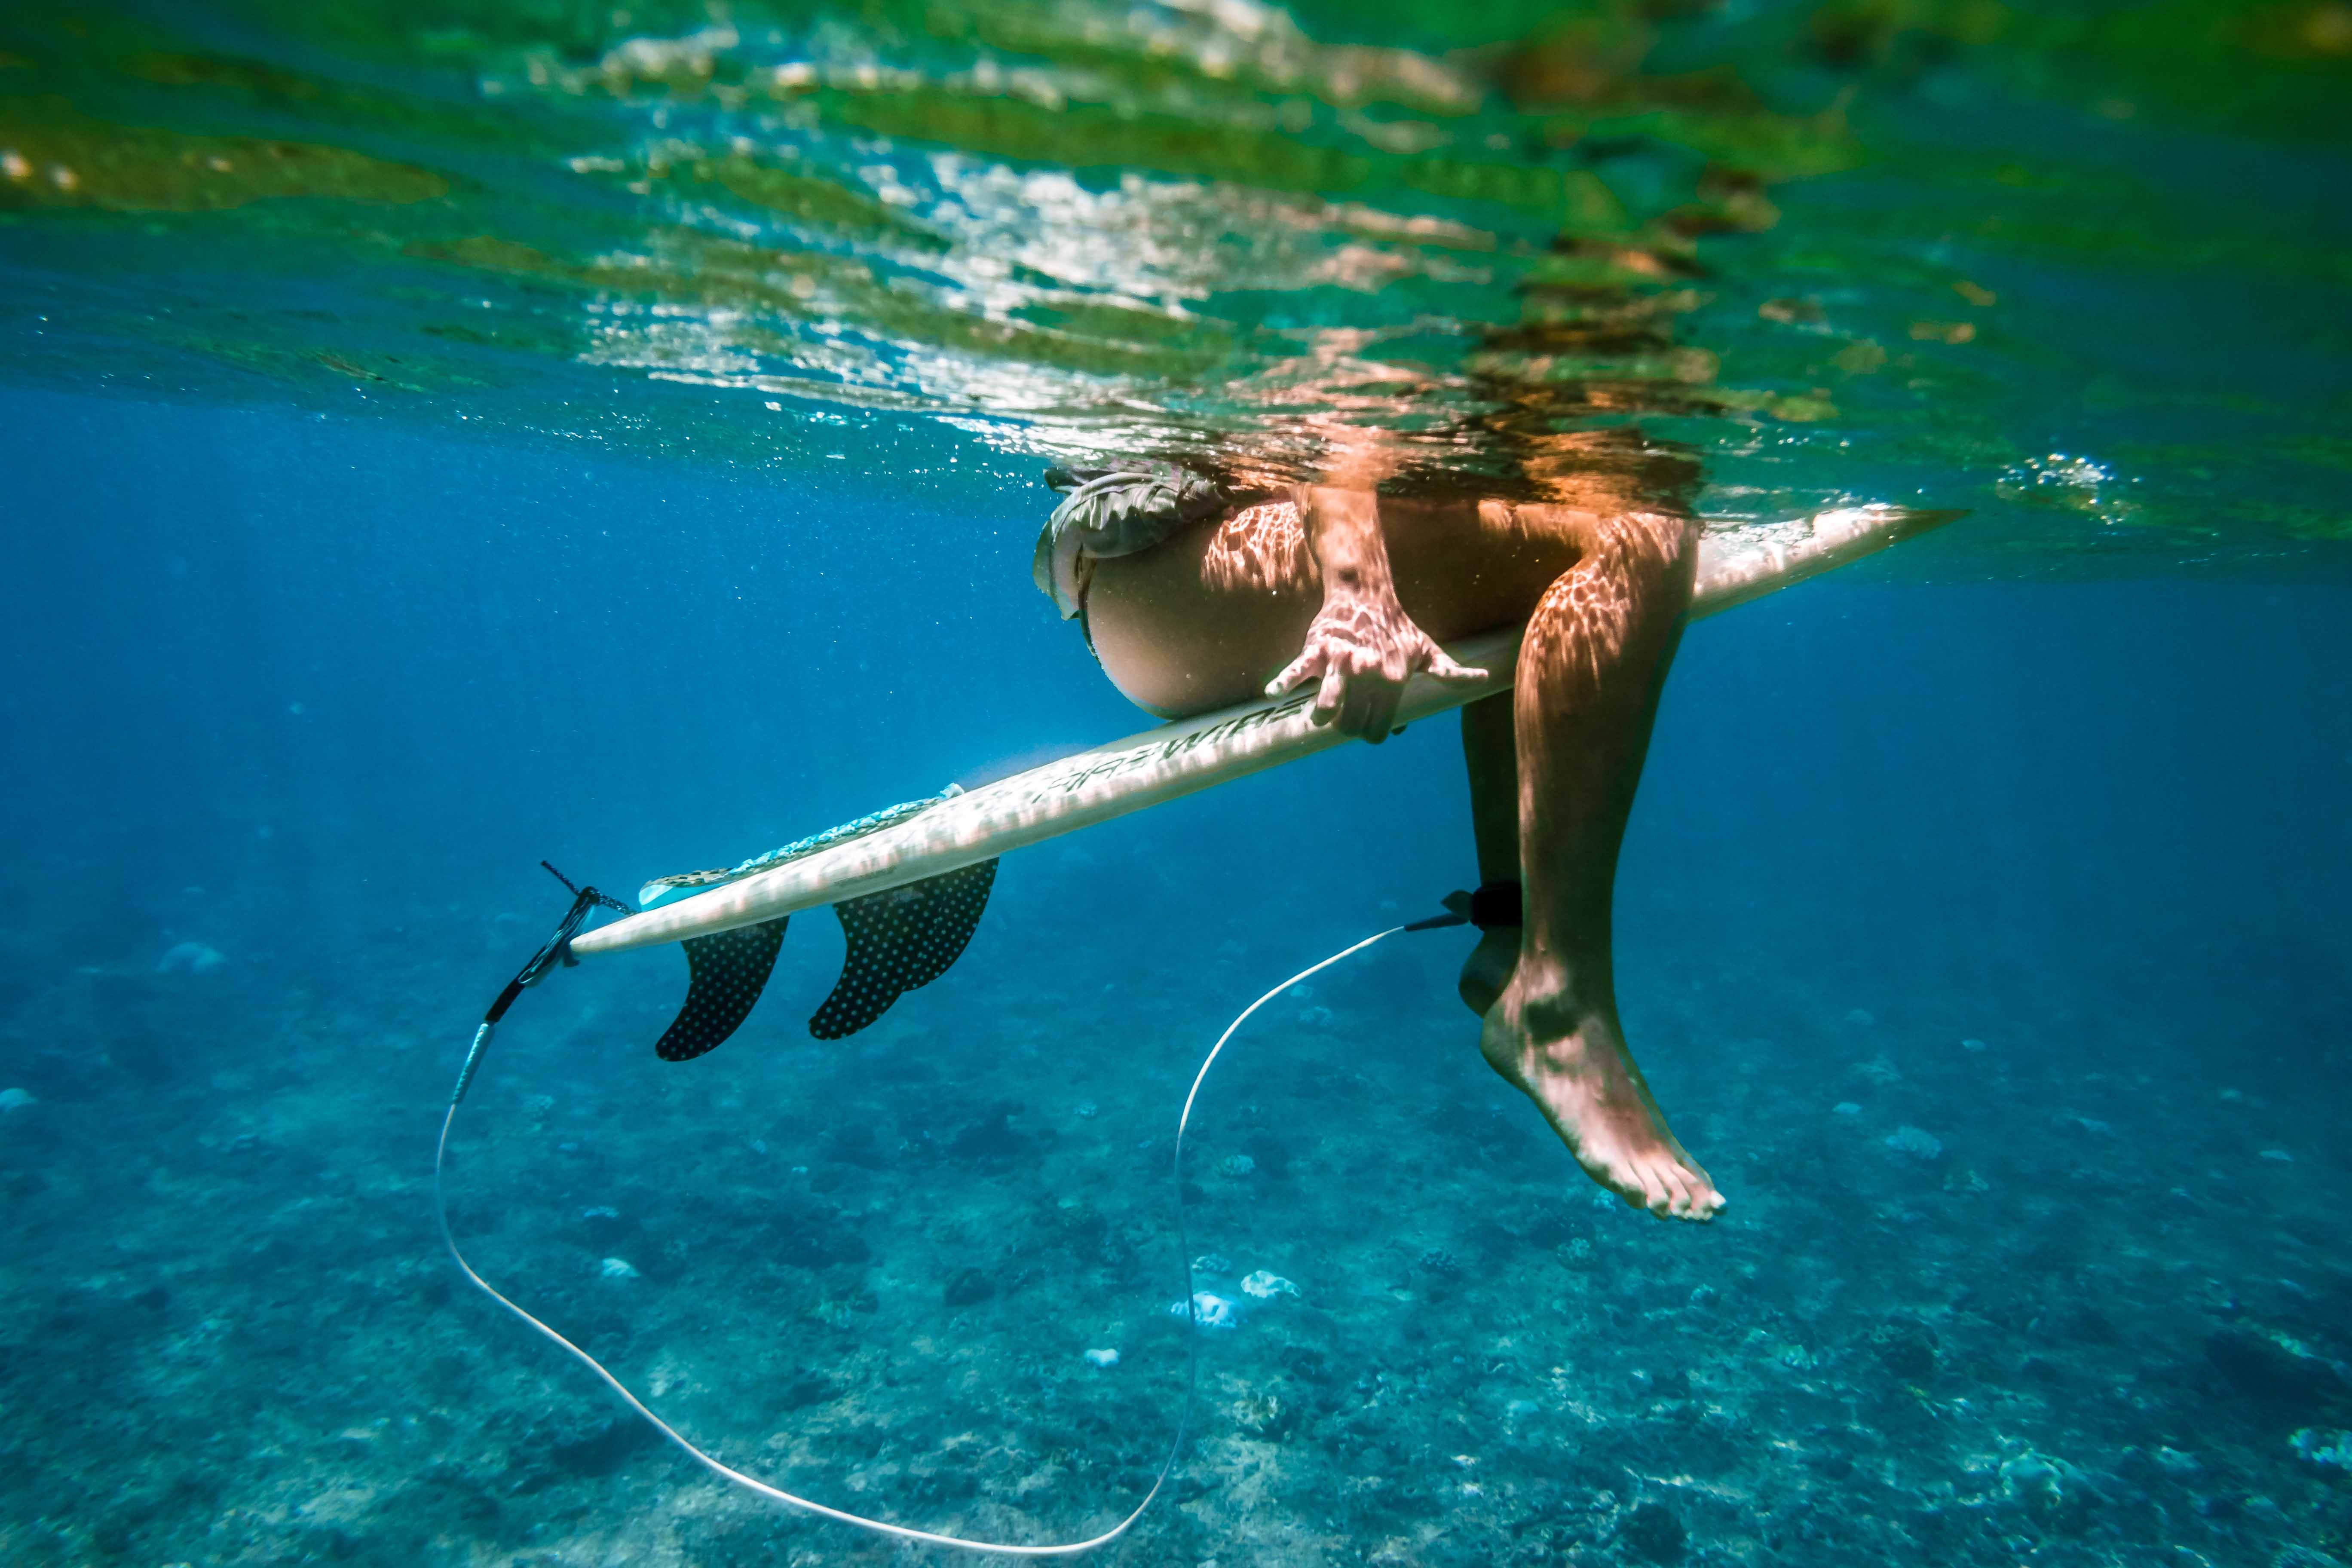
<point>1554,998</point>
<point>1487,971</point>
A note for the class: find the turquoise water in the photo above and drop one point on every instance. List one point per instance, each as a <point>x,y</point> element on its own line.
<point>436,440</point>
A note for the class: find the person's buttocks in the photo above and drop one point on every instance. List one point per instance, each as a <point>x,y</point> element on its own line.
<point>1208,617</point>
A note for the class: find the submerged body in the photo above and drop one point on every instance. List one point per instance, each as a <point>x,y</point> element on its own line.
<point>1331,584</point>
<point>1581,598</point>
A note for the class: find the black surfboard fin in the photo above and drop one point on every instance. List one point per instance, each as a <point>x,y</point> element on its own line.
<point>726,973</point>
<point>898,941</point>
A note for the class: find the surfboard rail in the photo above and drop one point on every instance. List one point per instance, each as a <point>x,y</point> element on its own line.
<point>1182,757</point>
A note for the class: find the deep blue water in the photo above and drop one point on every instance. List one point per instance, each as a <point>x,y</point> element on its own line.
<point>319,695</point>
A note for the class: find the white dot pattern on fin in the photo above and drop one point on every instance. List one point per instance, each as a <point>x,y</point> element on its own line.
<point>899,941</point>
<point>726,973</point>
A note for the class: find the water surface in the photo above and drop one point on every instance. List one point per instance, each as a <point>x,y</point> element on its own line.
<point>435,436</point>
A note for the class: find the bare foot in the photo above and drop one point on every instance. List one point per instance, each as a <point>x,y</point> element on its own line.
<point>1575,1067</point>
<point>1488,968</point>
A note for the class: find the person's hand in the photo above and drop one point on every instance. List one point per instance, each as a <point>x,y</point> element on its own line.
<point>1363,648</point>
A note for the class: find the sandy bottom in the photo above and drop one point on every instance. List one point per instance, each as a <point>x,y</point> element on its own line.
<point>2005,1278</point>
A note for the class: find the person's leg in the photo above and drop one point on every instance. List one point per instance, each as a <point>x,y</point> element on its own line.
<point>1490,751</point>
<point>1596,654</point>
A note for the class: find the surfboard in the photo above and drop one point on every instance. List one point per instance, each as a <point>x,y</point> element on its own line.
<point>922,841</point>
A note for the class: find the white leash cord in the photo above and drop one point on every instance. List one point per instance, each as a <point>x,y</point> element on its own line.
<point>806,1505</point>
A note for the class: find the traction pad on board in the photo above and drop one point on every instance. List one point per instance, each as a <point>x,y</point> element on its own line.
<point>898,941</point>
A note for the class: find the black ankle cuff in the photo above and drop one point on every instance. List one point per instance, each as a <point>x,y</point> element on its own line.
<point>1496,904</point>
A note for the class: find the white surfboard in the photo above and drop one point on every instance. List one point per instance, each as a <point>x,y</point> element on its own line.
<point>1177,759</point>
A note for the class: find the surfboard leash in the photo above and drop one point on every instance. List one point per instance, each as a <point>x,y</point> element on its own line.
<point>556,950</point>
<point>554,954</point>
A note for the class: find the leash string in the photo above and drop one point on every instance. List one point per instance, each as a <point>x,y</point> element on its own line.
<point>585,899</point>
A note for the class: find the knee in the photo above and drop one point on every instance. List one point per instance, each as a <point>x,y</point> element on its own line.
<point>1670,540</point>
<point>1655,560</point>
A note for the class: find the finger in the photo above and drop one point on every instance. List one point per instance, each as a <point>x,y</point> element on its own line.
<point>1334,692</point>
<point>1356,712</point>
<point>1293,673</point>
<point>1374,695</point>
<point>1445,668</point>
<point>1385,701</point>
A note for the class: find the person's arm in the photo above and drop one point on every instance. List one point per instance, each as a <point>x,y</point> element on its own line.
<point>1362,646</point>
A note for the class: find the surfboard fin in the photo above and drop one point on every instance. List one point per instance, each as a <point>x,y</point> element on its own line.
<point>898,941</point>
<point>726,973</point>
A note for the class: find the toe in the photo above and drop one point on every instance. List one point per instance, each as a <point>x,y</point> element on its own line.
<point>1629,1181</point>
<point>1695,1197</point>
<point>1700,1200</point>
<point>1687,1201</point>
<point>1705,1199</point>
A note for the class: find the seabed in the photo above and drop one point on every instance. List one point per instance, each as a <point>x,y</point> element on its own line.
<point>1972,1304</point>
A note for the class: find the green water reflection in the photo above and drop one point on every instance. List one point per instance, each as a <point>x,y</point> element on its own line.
<point>2082,266</point>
